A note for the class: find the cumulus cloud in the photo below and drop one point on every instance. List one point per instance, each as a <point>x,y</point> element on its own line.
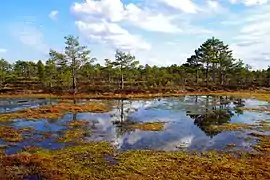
<point>130,26</point>
<point>103,21</point>
<point>252,40</point>
<point>112,34</point>
<point>53,15</point>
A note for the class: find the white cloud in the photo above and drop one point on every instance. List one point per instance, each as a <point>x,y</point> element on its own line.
<point>187,6</point>
<point>129,26</point>
<point>250,2</point>
<point>97,20</point>
<point>252,40</point>
<point>53,15</point>
<point>2,50</point>
<point>104,21</point>
<point>111,34</point>
<point>148,21</point>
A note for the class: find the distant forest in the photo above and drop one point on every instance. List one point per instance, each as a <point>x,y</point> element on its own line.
<point>211,67</point>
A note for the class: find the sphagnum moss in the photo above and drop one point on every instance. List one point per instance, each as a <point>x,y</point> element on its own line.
<point>153,126</point>
<point>10,134</point>
<point>89,161</point>
<point>73,135</point>
<point>54,111</point>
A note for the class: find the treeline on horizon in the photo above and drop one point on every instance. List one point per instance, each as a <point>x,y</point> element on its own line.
<point>211,67</point>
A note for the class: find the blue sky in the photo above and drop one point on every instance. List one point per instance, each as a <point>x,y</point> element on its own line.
<point>161,32</point>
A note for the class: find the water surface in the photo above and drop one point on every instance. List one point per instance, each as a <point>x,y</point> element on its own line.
<point>187,124</point>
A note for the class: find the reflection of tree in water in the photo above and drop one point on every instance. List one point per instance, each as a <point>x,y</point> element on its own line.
<point>238,104</point>
<point>208,119</point>
<point>90,124</point>
<point>217,113</point>
<point>122,120</point>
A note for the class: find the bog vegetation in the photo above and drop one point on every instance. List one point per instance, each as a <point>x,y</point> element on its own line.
<point>212,67</point>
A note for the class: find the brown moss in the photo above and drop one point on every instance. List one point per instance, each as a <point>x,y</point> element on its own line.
<point>73,135</point>
<point>231,127</point>
<point>54,111</point>
<point>265,110</point>
<point>264,96</point>
<point>90,161</point>
<point>77,123</point>
<point>154,126</point>
<point>10,134</point>
<point>261,95</point>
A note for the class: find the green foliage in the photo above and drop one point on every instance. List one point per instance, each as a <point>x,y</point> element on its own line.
<point>211,67</point>
<point>124,62</point>
<point>41,71</point>
<point>5,69</point>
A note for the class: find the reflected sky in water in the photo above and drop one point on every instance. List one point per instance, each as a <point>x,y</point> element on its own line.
<point>15,104</point>
<point>187,124</point>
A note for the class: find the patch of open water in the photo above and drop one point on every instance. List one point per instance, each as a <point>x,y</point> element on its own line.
<point>187,124</point>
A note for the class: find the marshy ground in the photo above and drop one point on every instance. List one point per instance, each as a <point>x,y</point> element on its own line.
<point>222,136</point>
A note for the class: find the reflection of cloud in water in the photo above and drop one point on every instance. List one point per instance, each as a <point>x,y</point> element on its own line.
<point>134,137</point>
<point>180,131</point>
<point>250,117</point>
<point>254,103</point>
<point>183,142</point>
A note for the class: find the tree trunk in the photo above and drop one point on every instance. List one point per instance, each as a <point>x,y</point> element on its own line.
<point>214,73</point>
<point>122,81</point>
<point>206,74</point>
<point>197,76</point>
<point>74,83</point>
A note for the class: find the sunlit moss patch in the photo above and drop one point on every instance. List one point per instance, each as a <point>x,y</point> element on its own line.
<point>77,123</point>
<point>231,127</point>
<point>10,134</point>
<point>54,111</point>
<point>73,135</point>
<point>89,161</point>
<point>154,126</point>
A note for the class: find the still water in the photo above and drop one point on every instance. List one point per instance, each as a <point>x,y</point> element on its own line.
<point>187,124</point>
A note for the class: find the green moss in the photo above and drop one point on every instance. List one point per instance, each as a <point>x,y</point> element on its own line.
<point>154,126</point>
<point>91,161</point>
<point>73,135</point>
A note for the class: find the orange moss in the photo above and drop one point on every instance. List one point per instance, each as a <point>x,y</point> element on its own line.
<point>154,126</point>
<point>261,95</point>
<point>10,134</point>
<point>73,135</point>
<point>77,123</point>
<point>231,127</point>
<point>91,161</point>
<point>54,111</point>
<point>265,110</point>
